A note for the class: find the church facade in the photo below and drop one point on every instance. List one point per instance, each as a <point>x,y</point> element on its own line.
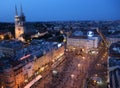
<point>19,24</point>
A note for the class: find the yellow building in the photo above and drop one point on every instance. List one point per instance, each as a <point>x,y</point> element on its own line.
<point>15,74</point>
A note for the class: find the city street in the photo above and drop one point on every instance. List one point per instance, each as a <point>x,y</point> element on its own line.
<point>98,69</point>
<point>72,71</point>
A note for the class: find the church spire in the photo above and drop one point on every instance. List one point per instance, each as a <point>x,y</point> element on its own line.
<point>21,10</point>
<point>16,12</point>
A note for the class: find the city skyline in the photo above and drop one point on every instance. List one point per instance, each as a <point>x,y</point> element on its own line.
<point>59,44</point>
<point>62,10</point>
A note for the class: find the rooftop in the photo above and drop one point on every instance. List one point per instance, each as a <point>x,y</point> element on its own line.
<point>83,34</point>
<point>36,48</point>
<point>114,61</point>
<point>114,49</point>
<point>13,44</point>
<point>114,70</point>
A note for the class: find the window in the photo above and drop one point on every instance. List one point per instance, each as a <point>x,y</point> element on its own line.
<point>9,82</point>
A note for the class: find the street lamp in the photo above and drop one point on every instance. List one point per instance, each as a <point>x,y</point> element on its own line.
<point>83,58</point>
<point>72,76</point>
<point>79,65</point>
<point>96,75</point>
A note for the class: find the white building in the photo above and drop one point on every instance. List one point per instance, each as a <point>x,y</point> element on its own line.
<point>78,42</point>
<point>82,42</point>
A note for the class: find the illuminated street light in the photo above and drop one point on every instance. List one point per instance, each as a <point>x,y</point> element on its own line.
<point>96,75</point>
<point>59,45</point>
<point>26,80</point>
<point>53,60</point>
<point>66,50</point>
<point>99,82</point>
<point>83,58</point>
<point>54,72</point>
<point>72,76</point>
<point>79,65</point>
<point>98,64</point>
<point>73,48</point>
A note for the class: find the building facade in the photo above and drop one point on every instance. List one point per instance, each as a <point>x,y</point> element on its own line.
<point>18,70</point>
<point>114,66</point>
<point>19,24</point>
<point>113,39</point>
<point>82,42</point>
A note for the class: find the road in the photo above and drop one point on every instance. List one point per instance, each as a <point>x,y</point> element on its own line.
<point>73,70</point>
<point>99,69</point>
<point>71,73</point>
<point>47,75</point>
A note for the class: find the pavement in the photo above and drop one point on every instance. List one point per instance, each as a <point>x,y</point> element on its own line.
<point>99,69</point>
<point>72,72</point>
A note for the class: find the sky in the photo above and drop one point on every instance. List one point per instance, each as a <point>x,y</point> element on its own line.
<point>61,10</point>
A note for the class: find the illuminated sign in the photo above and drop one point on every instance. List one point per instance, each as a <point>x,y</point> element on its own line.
<point>24,57</point>
<point>59,45</point>
<point>90,33</point>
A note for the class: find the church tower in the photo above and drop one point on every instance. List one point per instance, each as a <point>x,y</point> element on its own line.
<point>19,24</point>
